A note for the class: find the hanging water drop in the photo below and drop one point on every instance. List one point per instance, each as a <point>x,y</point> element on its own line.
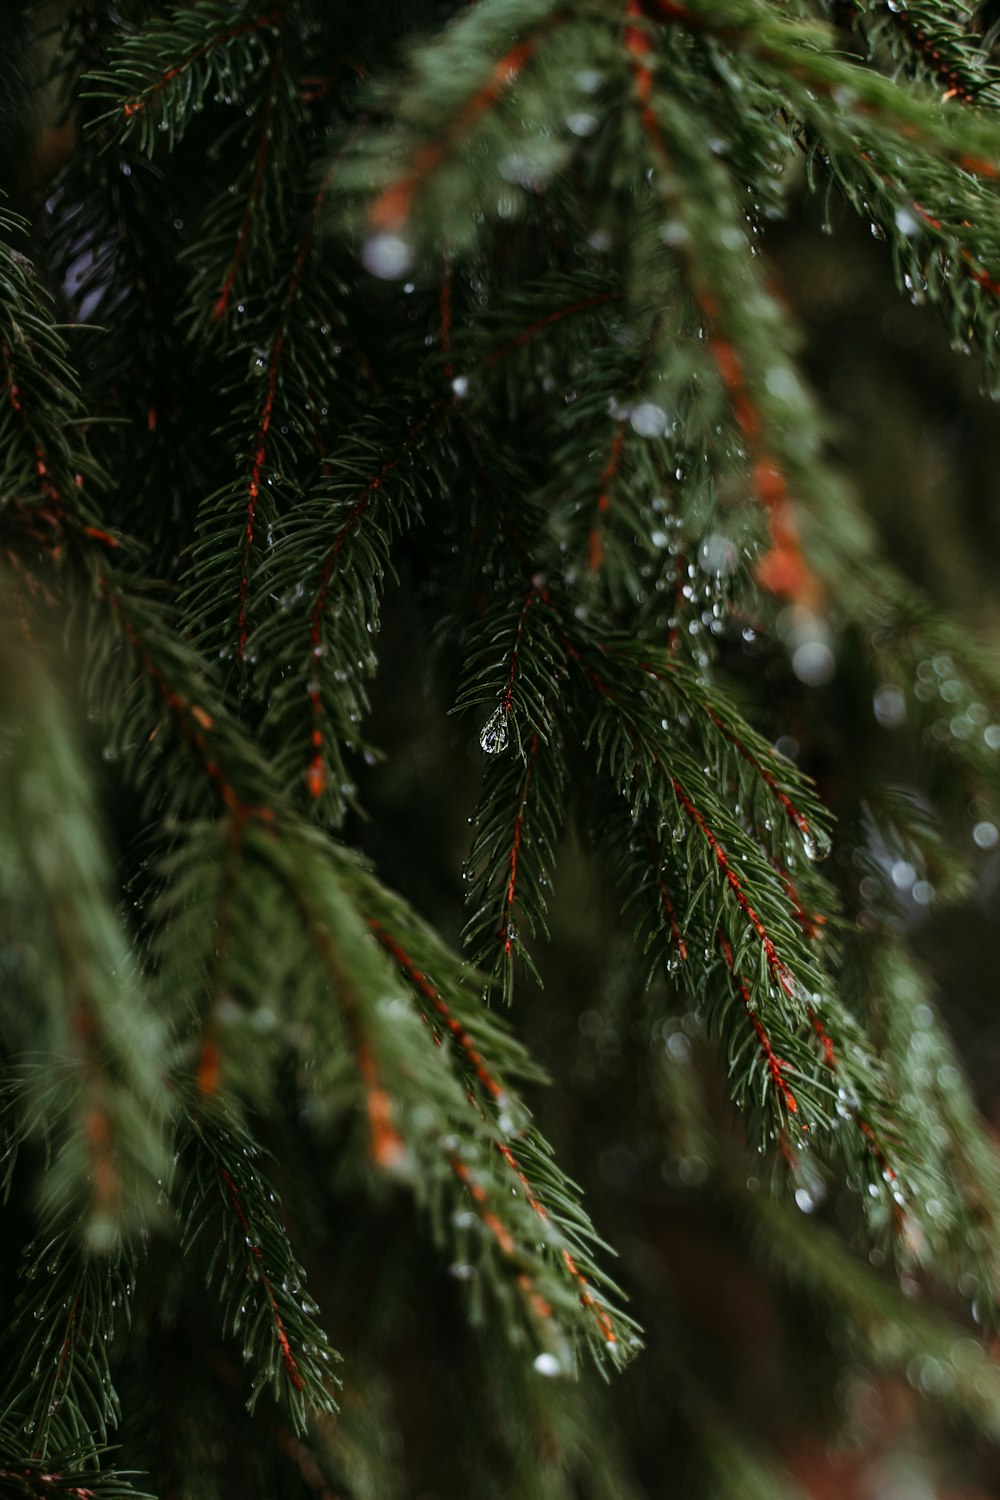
<point>387,256</point>
<point>648,419</point>
<point>717,554</point>
<point>494,736</point>
<point>813,662</point>
<point>816,842</point>
<point>907,223</point>
<point>582,123</point>
<point>547,1364</point>
<point>848,1102</point>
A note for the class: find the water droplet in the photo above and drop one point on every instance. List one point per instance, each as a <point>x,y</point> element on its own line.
<point>581,123</point>
<point>782,382</point>
<point>514,1117</point>
<point>547,1364</point>
<point>848,1102</point>
<point>717,554</point>
<point>907,223</point>
<point>813,663</point>
<point>258,362</point>
<point>816,842</point>
<point>387,256</point>
<point>494,736</point>
<point>786,979</point>
<point>648,419</point>
<point>674,233</point>
<point>889,706</point>
<point>525,170</point>
<point>460,385</point>
<point>291,598</point>
<point>985,835</point>
<point>462,1272</point>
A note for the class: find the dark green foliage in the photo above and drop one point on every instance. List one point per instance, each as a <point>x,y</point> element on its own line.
<point>453,328</point>
<point>34,1479</point>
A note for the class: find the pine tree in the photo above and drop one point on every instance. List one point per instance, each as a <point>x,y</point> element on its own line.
<point>403,422</point>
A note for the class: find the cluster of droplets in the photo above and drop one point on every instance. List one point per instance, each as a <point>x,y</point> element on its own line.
<point>700,588</point>
<point>968,720</point>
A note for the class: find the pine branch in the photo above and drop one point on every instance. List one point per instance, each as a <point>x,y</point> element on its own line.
<point>24,1476</point>
<point>255,221</point>
<point>83,1011</point>
<point>479,75</point>
<point>934,42</point>
<point>454,1013</point>
<point>162,75</point>
<point>405,1089</point>
<point>519,816</point>
<point>63,1326</point>
<point>44,464</point>
<point>326,575</point>
<point>396,1080</point>
<point>238,513</point>
<point>259,1279</point>
<point>512,858</point>
<point>164,705</point>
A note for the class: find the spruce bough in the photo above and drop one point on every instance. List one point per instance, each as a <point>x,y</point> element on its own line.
<point>469,332</point>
